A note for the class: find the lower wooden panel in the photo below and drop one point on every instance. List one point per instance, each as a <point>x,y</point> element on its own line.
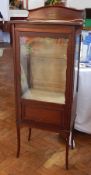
<point>44,115</point>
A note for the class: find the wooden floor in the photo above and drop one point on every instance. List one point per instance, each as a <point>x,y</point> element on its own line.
<point>45,153</point>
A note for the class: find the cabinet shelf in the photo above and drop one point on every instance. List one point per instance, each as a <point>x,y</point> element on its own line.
<point>46,96</point>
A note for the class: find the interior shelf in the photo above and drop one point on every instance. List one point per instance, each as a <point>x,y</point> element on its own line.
<point>46,96</point>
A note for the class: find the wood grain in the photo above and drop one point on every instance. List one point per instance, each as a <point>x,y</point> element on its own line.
<point>44,154</point>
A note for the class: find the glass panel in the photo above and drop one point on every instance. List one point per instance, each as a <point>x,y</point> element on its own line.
<point>76,63</point>
<point>43,68</point>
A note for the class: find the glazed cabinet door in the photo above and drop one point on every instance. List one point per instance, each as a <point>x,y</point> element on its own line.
<point>43,62</point>
<point>44,76</point>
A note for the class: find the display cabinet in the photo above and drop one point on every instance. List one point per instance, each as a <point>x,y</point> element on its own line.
<point>46,52</point>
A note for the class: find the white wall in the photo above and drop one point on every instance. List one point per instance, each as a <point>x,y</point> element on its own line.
<point>32,4</point>
<point>4,8</point>
<point>79,4</point>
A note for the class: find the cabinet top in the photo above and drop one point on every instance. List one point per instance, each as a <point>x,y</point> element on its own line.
<point>54,15</point>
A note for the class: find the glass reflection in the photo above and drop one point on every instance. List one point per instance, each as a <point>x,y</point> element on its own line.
<point>43,68</point>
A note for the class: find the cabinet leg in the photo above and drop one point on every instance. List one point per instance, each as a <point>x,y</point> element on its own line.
<point>29,136</point>
<point>72,139</point>
<point>67,152</point>
<point>18,141</point>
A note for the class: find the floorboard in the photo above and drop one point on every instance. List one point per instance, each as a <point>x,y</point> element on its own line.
<point>45,153</point>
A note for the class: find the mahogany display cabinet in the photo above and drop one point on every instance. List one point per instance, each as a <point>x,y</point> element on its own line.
<point>46,54</point>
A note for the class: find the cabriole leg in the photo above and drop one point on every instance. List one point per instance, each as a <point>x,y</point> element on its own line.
<point>29,136</point>
<point>18,141</point>
<point>67,152</point>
